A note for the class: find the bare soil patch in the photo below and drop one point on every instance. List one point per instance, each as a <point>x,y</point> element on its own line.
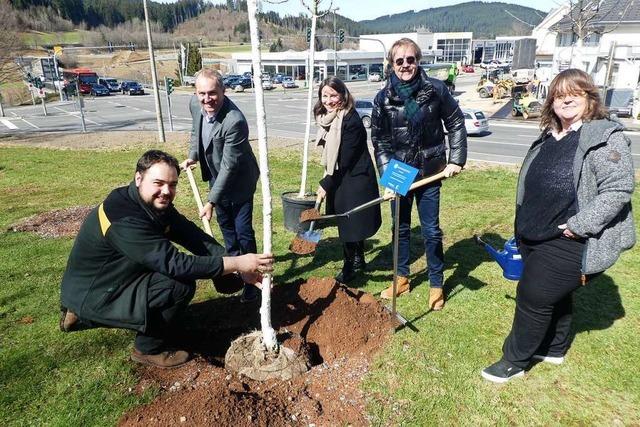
<point>342,327</point>
<point>57,223</point>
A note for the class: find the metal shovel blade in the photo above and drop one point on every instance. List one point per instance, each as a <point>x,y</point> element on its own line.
<point>312,236</point>
<point>305,243</point>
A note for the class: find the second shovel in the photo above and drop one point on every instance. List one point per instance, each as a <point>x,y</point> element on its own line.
<point>305,242</point>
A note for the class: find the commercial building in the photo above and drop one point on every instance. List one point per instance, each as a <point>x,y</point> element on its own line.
<point>351,64</point>
<point>435,47</point>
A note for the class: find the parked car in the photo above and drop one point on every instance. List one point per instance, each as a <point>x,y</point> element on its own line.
<point>99,90</point>
<point>468,69</point>
<point>230,77</point>
<point>359,76</point>
<point>620,102</point>
<point>278,78</point>
<point>266,84</point>
<point>110,83</point>
<point>475,121</point>
<point>239,84</point>
<point>132,88</point>
<point>289,83</point>
<point>364,108</point>
<point>375,77</point>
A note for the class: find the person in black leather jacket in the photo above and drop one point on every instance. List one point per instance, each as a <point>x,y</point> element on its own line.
<point>407,125</point>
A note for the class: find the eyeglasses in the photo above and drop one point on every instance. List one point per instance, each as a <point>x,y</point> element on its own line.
<point>562,96</point>
<point>409,60</point>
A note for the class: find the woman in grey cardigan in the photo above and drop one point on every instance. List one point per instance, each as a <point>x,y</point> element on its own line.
<point>573,219</point>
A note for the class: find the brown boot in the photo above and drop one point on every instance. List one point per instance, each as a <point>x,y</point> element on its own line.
<point>402,287</point>
<point>69,321</point>
<point>166,359</point>
<point>436,299</point>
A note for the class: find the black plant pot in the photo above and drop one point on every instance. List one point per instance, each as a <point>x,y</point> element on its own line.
<point>293,206</point>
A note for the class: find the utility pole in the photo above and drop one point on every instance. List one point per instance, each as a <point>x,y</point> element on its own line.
<point>154,75</point>
<point>607,77</point>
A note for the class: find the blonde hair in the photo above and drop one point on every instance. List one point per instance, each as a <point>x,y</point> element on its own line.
<point>208,73</point>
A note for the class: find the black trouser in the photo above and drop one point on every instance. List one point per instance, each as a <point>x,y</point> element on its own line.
<point>167,299</point>
<point>542,321</point>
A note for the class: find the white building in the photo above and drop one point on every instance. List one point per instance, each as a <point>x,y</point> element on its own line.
<point>615,29</point>
<point>545,36</point>
<point>351,64</point>
<point>435,47</point>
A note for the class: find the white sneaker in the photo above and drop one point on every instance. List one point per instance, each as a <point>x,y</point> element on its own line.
<point>554,360</point>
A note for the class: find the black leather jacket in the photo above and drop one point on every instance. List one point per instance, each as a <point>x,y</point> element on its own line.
<point>392,138</point>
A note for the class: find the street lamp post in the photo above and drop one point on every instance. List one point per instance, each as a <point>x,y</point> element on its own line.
<point>154,75</point>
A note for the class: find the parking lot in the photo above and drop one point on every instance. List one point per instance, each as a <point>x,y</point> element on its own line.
<point>506,142</point>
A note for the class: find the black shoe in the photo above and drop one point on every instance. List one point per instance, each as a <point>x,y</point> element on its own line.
<point>249,294</point>
<point>501,372</point>
<point>346,274</point>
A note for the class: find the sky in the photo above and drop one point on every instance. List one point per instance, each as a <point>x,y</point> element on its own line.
<point>359,10</point>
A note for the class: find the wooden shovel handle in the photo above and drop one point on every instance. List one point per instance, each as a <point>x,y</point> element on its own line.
<point>427,180</point>
<point>196,195</point>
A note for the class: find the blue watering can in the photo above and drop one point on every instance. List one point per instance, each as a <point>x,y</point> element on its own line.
<point>509,258</point>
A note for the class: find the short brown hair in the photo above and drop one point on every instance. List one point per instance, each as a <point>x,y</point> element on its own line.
<point>572,81</point>
<point>404,42</point>
<point>338,85</point>
<point>152,157</point>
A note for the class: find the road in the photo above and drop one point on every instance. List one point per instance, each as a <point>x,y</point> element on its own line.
<point>507,142</point>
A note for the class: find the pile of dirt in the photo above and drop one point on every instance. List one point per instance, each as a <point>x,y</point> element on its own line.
<point>343,329</point>
<point>127,56</point>
<point>57,223</point>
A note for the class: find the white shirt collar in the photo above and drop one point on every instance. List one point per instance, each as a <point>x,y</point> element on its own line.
<point>573,128</point>
<point>207,118</point>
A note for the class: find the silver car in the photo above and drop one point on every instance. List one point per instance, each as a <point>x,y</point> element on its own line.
<point>475,121</point>
<point>364,109</point>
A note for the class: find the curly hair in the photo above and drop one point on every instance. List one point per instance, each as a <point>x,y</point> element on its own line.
<point>572,81</point>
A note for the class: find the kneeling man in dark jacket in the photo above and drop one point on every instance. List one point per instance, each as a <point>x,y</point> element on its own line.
<point>125,272</point>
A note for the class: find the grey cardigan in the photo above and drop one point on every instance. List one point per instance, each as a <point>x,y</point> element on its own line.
<point>603,177</point>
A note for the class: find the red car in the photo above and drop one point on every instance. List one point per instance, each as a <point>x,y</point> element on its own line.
<point>468,69</point>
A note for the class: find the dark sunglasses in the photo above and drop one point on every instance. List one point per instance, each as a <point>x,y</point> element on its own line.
<point>409,60</point>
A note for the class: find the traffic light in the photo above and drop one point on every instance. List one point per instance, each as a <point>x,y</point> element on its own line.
<point>37,82</point>
<point>168,83</point>
<point>340,35</point>
<point>308,34</point>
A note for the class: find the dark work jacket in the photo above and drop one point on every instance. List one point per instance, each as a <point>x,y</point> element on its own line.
<point>353,183</point>
<point>119,246</point>
<point>390,132</point>
<point>226,159</point>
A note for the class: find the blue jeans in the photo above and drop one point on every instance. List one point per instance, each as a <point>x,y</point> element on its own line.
<point>428,203</point>
<point>235,221</point>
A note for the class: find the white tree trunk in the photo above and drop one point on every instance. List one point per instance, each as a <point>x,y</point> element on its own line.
<point>310,68</point>
<point>268,334</point>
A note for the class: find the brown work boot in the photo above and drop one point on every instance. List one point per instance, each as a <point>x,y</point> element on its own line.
<point>436,299</point>
<point>69,321</point>
<point>166,359</point>
<point>402,287</point>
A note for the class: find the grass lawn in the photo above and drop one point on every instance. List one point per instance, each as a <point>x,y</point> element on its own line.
<point>36,38</point>
<point>430,377</point>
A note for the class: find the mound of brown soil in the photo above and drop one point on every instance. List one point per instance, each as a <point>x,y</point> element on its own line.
<point>343,328</point>
<point>57,223</point>
<point>127,56</point>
